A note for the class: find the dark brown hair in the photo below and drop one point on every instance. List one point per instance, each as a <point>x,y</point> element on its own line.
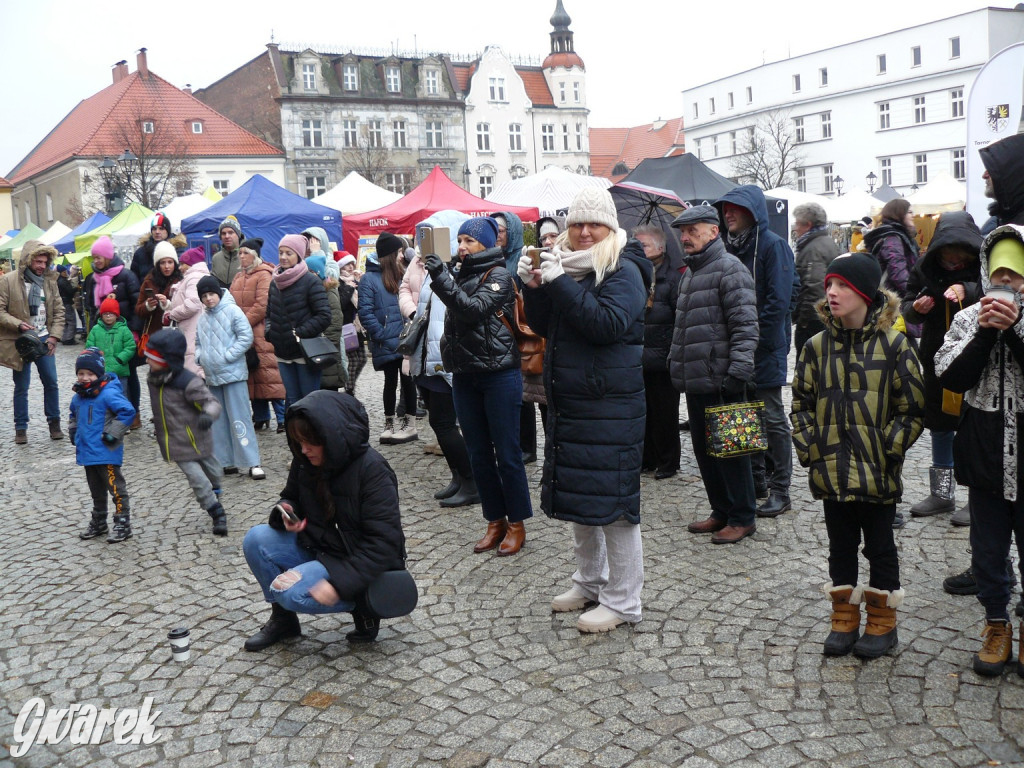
<point>391,272</point>
<point>301,429</point>
<point>896,209</point>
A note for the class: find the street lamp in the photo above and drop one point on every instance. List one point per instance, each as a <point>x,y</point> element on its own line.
<point>117,179</point>
<point>870,179</point>
<point>466,174</point>
<point>914,188</point>
<point>838,183</point>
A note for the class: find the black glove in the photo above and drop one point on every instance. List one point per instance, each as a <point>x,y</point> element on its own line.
<point>72,431</point>
<point>733,386</point>
<point>108,439</point>
<point>205,421</point>
<point>433,264</point>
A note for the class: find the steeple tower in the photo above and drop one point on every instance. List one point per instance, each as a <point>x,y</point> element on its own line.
<point>562,52</point>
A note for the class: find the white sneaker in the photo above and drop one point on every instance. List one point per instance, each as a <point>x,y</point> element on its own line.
<point>257,473</point>
<point>405,431</point>
<point>573,600</point>
<point>599,619</point>
<point>387,435</point>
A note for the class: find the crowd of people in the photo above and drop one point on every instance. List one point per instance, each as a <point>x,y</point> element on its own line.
<point>889,342</point>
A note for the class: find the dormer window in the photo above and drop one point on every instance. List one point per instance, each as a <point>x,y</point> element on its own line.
<point>309,77</point>
<point>197,126</point>
<point>431,82</point>
<point>147,126</point>
<point>393,79</point>
<point>350,77</point>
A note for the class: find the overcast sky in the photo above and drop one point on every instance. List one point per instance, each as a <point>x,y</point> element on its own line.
<point>639,56</point>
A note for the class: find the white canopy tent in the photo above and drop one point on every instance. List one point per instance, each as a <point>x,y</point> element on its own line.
<point>54,233</point>
<point>355,194</point>
<point>179,209</point>
<point>551,190</point>
<point>940,195</point>
<point>852,205</point>
<point>795,198</point>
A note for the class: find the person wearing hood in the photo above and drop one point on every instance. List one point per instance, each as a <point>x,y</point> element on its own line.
<point>982,356</point>
<point>250,289</point>
<point>588,300</point>
<point>349,528</point>
<point>30,301</point>
<point>225,264</point>
<point>858,407</point>
<point>184,307</point>
<point>334,375</point>
<point>480,350</point>
<point>348,290</point>
<point>223,335</point>
<point>317,244</point>
<point>711,361</point>
<point>1004,181</point>
<point>160,231</point>
<point>510,238</point>
<point>768,257</point>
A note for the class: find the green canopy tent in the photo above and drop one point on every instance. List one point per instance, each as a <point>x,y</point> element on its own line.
<point>29,232</point>
<point>127,217</point>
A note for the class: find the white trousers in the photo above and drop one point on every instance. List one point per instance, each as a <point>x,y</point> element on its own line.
<point>610,566</point>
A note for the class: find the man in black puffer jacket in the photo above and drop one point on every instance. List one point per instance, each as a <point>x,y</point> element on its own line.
<point>712,362</point>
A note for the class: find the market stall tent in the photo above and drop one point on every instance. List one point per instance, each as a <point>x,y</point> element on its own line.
<point>56,231</point>
<point>551,190</point>
<point>355,194</point>
<point>940,195</point>
<point>133,213</point>
<point>29,232</point>
<point>179,209</point>
<point>852,205</point>
<point>66,244</point>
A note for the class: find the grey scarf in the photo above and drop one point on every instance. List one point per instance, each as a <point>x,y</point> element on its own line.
<point>738,242</point>
<point>35,290</point>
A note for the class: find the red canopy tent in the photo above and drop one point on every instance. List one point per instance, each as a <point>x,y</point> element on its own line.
<point>436,193</point>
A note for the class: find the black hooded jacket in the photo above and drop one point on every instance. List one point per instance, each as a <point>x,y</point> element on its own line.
<point>1004,161</point>
<point>363,491</point>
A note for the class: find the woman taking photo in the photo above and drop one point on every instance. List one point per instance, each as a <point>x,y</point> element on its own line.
<point>588,300</point>
<point>348,528</point>
<point>157,287</point>
<point>185,308</point>
<point>296,307</point>
<point>487,385</point>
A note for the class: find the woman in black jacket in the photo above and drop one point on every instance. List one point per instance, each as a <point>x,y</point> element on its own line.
<point>296,306</point>
<point>479,349</point>
<point>349,529</point>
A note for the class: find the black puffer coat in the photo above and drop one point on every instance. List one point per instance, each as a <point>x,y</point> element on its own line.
<point>813,256</point>
<point>930,279</point>
<point>716,322</point>
<point>301,307</point>
<point>124,286</point>
<point>363,492</point>
<point>660,319</point>
<point>475,338</point>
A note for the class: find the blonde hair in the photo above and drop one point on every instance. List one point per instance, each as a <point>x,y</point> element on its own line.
<point>605,253</point>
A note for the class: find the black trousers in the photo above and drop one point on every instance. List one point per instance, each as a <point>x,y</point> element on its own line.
<point>661,432</point>
<point>729,483</point>
<point>846,521</point>
<point>993,521</point>
<point>106,479</point>
<point>442,419</point>
<point>528,425</point>
<point>392,374</point>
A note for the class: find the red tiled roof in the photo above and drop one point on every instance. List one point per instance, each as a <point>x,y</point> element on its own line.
<point>567,59</point>
<point>463,72</point>
<point>537,90</point>
<point>93,127</point>
<point>609,146</point>
<point>5,184</point>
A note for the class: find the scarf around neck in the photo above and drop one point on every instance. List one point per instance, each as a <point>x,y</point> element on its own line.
<point>35,290</point>
<point>104,285</point>
<point>739,241</point>
<point>285,277</point>
<point>579,264</point>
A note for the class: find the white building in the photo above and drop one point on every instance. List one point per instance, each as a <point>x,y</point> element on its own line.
<point>892,105</point>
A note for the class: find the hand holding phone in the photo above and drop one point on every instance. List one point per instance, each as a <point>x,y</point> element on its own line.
<point>287,515</point>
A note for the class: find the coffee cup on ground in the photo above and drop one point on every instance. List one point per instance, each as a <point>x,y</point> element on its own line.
<point>179,639</point>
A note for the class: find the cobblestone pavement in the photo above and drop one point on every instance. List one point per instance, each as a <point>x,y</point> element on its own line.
<point>725,669</point>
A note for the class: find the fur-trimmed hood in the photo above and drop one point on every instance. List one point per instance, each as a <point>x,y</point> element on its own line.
<point>882,314</point>
<point>30,249</point>
<point>178,241</point>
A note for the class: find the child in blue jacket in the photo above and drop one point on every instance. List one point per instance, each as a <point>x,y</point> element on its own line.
<point>101,415</point>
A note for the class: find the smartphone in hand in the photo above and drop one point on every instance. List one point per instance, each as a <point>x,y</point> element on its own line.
<point>287,514</point>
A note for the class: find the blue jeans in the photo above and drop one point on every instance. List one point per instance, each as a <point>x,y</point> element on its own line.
<point>270,552</point>
<point>47,368</point>
<point>488,405</point>
<point>942,448</point>
<point>261,410</point>
<point>299,380</point>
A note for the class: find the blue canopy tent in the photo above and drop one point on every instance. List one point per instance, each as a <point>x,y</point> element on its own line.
<point>67,243</point>
<point>265,210</point>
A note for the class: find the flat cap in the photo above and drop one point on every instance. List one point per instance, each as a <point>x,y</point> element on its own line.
<point>707,213</point>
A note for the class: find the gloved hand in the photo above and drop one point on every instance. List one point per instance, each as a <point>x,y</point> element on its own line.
<point>108,439</point>
<point>733,386</point>
<point>205,421</point>
<point>72,431</point>
<point>164,304</point>
<point>433,264</point>
<point>525,267</point>
<point>550,267</point>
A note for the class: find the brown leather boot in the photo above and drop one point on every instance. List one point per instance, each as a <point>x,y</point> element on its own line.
<point>997,649</point>
<point>845,632</point>
<point>513,540</point>
<point>880,635</point>
<point>495,533</point>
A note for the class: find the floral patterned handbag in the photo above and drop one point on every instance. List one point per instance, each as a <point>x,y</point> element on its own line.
<point>735,429</point>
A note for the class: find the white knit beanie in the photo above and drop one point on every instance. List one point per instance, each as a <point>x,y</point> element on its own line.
<point>593,206</point>
<point>164,250</point>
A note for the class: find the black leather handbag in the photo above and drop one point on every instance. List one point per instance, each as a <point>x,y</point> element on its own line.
<point>319,351</point>
<point>412,333</point>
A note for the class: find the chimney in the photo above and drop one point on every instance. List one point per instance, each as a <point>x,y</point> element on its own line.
<point>187,88</point>
<point>122,66</point>
<point>115,71</point>
<point>140,63</point>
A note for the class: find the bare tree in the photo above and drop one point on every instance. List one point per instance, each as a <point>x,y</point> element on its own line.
<point>376,163</point>
<point>769,152</point>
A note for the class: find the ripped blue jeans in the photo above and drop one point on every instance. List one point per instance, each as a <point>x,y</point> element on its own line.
<point>270,552</point>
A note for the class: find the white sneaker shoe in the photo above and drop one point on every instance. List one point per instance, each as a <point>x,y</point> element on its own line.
<point>405,431</point>
<point>599,619</point>
<point>573,600</point>
<point>257,473</point>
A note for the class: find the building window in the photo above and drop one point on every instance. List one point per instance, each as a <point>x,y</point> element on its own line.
<point>483,137</point>
<point>887,171</point>
<point>309,77</point>
<point>375,133</point>
<point>826,171</point>
<point>711,105</point>
<point>28,218</point>
<point>956,102</point>
<point>17,217</point>
<point>880,59</point>
<point>714,146</point>
<point>801,180</point>
<point>432,82</point>
<point>515,137</point>
<point>915,56</point>
<point>183,187</point>
<point>883,115</point>
<point>750,94</point>
<point>312,133</point>
<point>497,88</point>
<point>221,185</point>
<point>561,93</point>
<point>565,138</point>
<point>349,133</point>
<point>435,134</point>
<point>350,77</point>
<point>579,137</point>
<point>796,83</point>
<point>960,164</point>
<point>732,141</point>
<point>393,79</point>
<point>315,185</point>
<point>731,101</point>
<point>696,111</point>
<point>49,207</point>
<point>397,182</point>
<point>398,134</point>
<point>518,171</point>
<point>147,126</point>
<point>954,47</point>
<point>921,169</point>
<point>823,77</point>
<point>547,138</point>
<point>826,125</point>
<point>197,126</point>
<point>700,150</point>
<point>486,185</point>
<point>919,112</point>
<point>798,129</point>
<point>576,91</point>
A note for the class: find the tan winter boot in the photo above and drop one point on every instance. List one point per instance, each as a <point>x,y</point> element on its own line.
<point>996,648</point>
<point>880,633</point>
<point>845,632</point>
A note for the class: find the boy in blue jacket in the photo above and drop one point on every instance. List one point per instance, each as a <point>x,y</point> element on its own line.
<point>100,417</point>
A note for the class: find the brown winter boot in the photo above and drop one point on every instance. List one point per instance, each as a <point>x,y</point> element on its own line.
<point>845,632</point>
<point>880,633</point>
<point>996,648</point>
<point>496,531</point>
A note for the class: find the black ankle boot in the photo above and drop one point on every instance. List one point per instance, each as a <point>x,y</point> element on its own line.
<point>451,489</point>
<point>466,495</point>
<point>366,628</point>
<point>282,625</point>
<point>97,526</point>
<point>220,519</point>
